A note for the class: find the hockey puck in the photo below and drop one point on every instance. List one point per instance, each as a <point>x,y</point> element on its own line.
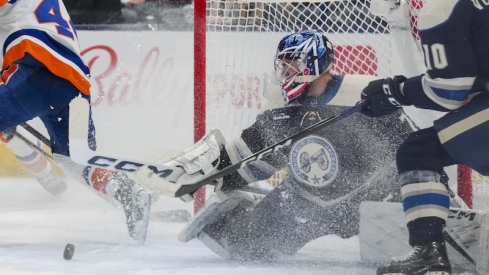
<point>69,251</point>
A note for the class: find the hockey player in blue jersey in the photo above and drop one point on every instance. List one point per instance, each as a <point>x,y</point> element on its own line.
<point>455,39</point>
<point>329,174</point>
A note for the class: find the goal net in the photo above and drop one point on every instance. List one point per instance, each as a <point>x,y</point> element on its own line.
<point>236,41</point>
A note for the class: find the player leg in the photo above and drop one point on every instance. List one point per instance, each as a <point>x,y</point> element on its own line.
<point>29,93</point>
<point>282,222</point>
<point>420,161</point>
<point>116,187</point>
<point>455,138</point>
<point>36,163</point>
<point>244,226</point>
<point>20,103</point>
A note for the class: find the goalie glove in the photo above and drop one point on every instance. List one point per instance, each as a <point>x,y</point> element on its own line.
<point>199,160</point>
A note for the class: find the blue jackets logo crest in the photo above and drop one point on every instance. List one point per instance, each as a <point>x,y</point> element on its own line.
<point>314,161</point>
<point>12,1</point>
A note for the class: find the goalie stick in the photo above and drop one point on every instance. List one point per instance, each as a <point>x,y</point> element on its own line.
<point>147,178</point>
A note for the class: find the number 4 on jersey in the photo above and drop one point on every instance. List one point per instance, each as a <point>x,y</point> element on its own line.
<point>49,12</point>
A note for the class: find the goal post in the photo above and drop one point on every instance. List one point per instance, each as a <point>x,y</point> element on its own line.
<point>199,84</point>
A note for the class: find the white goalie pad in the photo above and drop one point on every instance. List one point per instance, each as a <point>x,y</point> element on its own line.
<point>197,162</point>
<point>383,235</point>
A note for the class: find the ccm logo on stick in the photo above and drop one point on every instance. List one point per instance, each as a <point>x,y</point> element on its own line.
<point>126,166</point>
<point>266,152</point>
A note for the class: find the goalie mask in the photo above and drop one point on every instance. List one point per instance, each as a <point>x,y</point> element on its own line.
<point>301,58</point>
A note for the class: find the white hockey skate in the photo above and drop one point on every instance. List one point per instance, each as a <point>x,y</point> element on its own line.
<point>136,203</point>
<point>52,183</point>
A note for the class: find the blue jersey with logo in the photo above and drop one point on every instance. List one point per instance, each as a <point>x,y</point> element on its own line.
<point>344,155</point>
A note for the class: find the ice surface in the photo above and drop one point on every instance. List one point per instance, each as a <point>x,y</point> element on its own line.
<point>35,227</point>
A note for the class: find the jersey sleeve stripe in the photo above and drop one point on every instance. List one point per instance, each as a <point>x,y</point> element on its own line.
<point>65,63</point>
<point>55,65</point>
<point>3,2</point>
<point>448,93</point>
<point>48,42</point>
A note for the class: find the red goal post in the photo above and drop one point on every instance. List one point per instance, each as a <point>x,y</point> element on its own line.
<point>235,41</point>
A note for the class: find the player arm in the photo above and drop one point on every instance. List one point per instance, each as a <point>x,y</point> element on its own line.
<point>449,57</point>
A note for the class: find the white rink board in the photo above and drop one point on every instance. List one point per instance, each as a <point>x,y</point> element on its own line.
<point>142,90</point>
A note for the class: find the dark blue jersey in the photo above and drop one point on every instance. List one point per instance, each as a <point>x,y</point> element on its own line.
<point>364,148</point>
<point>455,41</point>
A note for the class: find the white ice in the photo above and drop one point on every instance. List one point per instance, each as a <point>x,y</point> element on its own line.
<point>35,227</point>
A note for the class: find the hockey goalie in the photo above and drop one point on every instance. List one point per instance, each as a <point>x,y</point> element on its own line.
<point>329,174</point>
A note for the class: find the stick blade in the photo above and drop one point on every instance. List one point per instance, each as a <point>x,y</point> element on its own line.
<point>148,179</point>
<point>78,129</point>
<point>79,118</point>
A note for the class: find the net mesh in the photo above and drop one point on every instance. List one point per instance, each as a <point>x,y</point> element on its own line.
<point>242,39</point>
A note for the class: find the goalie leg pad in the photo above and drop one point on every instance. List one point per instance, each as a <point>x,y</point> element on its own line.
<point>482,258</point>
<point>217,206</point>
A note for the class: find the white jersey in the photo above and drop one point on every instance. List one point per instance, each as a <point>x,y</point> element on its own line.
<point>43,29</point>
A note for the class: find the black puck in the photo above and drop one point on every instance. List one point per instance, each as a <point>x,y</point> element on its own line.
<point>69,251</point>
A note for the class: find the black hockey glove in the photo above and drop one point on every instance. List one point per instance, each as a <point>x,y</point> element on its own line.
<point>384,96</point>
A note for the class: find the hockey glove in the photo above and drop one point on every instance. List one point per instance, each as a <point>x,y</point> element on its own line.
<point>200,160</point>
<point>384,96</point>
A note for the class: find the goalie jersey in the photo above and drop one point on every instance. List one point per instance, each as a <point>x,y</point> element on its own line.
<point>43,30</point>
<point>343,157</point>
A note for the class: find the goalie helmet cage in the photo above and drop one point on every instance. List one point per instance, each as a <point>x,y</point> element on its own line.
<point>235,42</point>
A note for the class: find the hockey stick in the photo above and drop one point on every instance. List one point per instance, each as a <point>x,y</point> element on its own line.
<point>36,134</point>
<point>81,153</point>
<point>32,145</point>
<point>147,178</point>
<point>457,247</point>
